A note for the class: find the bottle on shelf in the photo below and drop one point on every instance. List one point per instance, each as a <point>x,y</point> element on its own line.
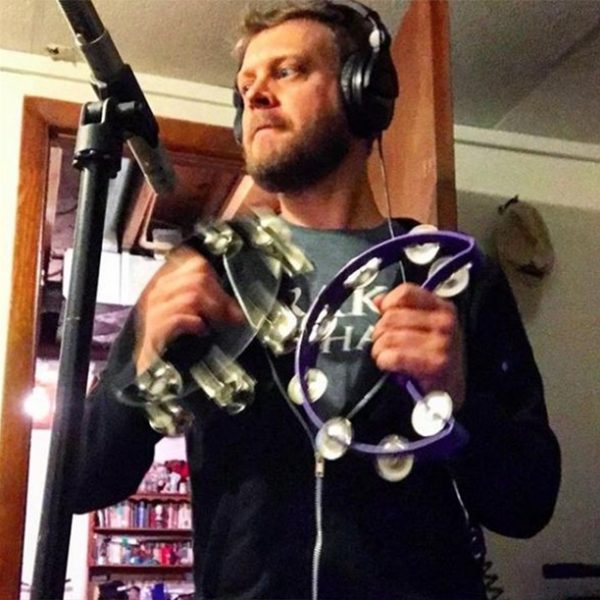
<point>146,540</point>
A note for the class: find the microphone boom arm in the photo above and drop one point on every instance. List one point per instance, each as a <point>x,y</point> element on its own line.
<point>111,77</point>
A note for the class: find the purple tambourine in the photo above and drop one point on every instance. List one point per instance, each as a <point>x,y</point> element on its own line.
<point>440,435</point>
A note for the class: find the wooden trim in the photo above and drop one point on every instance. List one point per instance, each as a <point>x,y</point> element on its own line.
<point>138,218</point>
<point>15,426</point>
<point>418,147</point>
<point>198,138</point>
<point>443,115</point>
<point>176,135</point>
<point>248,195</point>
<point>144,532</point>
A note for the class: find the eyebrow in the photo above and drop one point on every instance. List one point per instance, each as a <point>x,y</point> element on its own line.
<point>273,61</point>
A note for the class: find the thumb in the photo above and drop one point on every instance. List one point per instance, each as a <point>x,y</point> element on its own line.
<point>234,313</point>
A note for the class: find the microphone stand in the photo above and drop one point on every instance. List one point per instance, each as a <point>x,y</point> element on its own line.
<point>55,525</point>
<point>121,114</point>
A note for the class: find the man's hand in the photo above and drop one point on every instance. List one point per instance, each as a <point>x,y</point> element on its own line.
<point>418,335</point>
<point>185,296</point>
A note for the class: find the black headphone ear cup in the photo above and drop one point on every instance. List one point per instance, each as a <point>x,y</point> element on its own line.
<point>369,90</point>
<point>351,86</point>
<point>238,104</point>
<point>379,91</point>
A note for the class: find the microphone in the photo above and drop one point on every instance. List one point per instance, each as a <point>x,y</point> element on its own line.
<point>111,77</point>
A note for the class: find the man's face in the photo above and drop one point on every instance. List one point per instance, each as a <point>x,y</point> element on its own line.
<point>294,128</point>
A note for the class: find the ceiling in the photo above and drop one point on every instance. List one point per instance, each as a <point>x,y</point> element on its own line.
<point>502,50</point>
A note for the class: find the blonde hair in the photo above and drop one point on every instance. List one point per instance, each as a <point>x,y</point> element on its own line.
<point>349,27</point>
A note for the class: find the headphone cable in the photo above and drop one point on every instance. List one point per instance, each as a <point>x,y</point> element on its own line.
<point>386,190</point>
<point>386,195</point>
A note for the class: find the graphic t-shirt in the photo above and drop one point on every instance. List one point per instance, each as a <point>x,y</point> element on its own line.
<point>345,356</point>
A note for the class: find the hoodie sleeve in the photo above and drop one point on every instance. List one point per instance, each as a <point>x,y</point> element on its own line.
<point>509,474</point>
<point>116,444</point>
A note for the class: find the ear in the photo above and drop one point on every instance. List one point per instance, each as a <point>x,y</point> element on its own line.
<point>238,104</point>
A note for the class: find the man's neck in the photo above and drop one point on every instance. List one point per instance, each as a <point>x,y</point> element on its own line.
<point>344,200</point>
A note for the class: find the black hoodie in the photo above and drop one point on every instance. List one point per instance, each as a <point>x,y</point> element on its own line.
<point>255,494</point>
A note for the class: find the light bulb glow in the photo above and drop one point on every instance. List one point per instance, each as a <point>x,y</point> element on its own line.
<point>37,405</point>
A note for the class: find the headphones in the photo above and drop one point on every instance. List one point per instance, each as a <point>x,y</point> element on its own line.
<point>368,80</point>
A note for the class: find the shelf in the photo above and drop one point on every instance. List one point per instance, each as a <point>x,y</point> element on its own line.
<point>143,531</point>
<point>99,569</point>
<point>150,497</point>
<point>115,534</point>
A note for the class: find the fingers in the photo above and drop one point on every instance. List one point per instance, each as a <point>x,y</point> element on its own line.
<point>411,308</point>
<point>188,284</point>
<point>195,292</point>
<point>408,295</point>
<point>184,297</point>
<point>422,354</point>
<point>418,334</point>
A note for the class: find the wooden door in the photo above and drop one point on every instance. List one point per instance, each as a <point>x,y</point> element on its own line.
<point>419,145</point>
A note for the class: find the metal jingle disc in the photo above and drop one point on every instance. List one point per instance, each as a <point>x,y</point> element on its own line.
<point>274,236</point>
<point>159,420</point>
<point>160,382</point>
<point>242,392</point>
<point>334,438</point>
<point>183,420</point>
<point>455,284</point>
<point>393,467</point>
<point>169,418</point>
<point>263,238</point>
<point>365,275</point>
<point>219,238</point>
<point>280,329</point>
<point>224,381</point>
<point>270,220</point>
<point>235,407</point>
<point>431,413</point>
<point>422,254</point>
<point>317,384</point>
<point>324,326</point>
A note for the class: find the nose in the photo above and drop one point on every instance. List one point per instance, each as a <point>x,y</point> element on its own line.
<point>259,95</point>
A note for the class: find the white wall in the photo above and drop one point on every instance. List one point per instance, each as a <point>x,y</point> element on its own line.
<point>26,75</point>
<point>562,317</point>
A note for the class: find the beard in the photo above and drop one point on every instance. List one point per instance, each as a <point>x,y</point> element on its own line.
<point>314,155</point>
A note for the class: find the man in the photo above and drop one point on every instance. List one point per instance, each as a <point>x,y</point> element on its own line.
<point>265,526</point>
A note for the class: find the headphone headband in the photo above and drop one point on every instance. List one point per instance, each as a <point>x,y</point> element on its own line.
<point>368,14</point>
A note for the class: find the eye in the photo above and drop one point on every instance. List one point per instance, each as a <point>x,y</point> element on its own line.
<point>244,87</point>
<point>286,71</point>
